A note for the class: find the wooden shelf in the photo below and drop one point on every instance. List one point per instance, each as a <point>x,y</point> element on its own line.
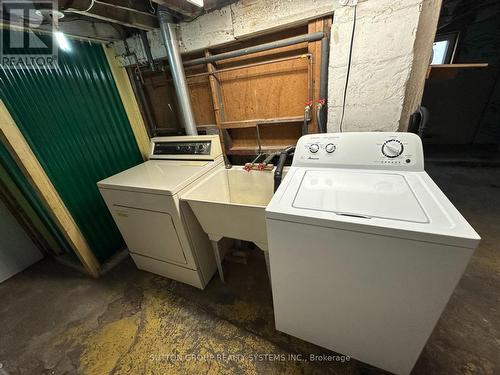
<point>239,150</point>
<point>450,71</point>
<point>253,123</point>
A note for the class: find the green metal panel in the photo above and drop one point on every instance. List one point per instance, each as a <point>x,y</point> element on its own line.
<point>74,121</point>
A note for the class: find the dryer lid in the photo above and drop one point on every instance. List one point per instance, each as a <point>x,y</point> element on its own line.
<point>367,195</point>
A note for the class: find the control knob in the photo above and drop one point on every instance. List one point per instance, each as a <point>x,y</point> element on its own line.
<point>392,148</point>
<point>330,147</point>
<point>314,148</point>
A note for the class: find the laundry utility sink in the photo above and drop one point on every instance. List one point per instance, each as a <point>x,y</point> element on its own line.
<point>231,203</point>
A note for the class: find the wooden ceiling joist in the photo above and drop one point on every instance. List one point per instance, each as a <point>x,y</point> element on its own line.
<point>114,11</point>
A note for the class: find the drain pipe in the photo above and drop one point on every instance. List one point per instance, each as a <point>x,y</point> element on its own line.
<point>278,172</point>
<point>323,85</point>
<point>307,117</point>
<point>147,49</point>
<point>138,88</point>
<point>325,57</point>
<point>169,36</point>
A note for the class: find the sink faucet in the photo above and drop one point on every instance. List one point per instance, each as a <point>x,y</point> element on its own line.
<point>265,164</point>
<point>249,166</point>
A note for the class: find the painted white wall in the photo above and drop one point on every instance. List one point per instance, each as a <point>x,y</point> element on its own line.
<point>384,56</point>
<point>392,44</point>
<point>17,251</point>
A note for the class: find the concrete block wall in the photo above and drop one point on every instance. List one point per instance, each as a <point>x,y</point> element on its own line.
<point>392,45</point>
<point>214,28</point>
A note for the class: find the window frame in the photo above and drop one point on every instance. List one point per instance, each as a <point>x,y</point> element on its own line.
<point>452,39</point>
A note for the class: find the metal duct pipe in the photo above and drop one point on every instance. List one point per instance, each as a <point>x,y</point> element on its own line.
<point>169,36</point>
<point>260,48</point>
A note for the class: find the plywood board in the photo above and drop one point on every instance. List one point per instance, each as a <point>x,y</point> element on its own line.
<point>160,92</point>
<point>161,95</point>
<point>201,100</point>
<point>272,138</point>
<point>450,71</point>
<point>265,92</point>
<point>295,49</point>
<point>241,94</point>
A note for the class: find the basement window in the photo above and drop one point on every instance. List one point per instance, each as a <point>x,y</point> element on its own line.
<point>443,49</point>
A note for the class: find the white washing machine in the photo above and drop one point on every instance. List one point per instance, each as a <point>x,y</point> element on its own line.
<point>161,232</point>
<point>365,250</point>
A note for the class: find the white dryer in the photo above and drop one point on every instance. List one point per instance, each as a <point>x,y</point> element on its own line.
<point>365,250</point>
<point>161,232</point>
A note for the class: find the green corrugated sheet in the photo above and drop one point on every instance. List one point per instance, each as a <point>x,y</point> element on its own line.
<point>75,123</point>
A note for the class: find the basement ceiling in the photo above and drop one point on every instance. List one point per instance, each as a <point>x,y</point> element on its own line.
<point>109,20</point>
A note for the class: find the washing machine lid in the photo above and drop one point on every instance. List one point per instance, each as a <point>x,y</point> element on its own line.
<point>389,203</point>
<point>158,176</point>
<point>366,195</point>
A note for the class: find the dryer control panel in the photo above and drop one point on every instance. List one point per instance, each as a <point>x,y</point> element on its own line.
<point>199,147</point>
<point>380,150</point>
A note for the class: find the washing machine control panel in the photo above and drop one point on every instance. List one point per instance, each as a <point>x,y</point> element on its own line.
<point>381,150</point>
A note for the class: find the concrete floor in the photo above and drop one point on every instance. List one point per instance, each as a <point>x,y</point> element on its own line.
<point>54,321</point>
